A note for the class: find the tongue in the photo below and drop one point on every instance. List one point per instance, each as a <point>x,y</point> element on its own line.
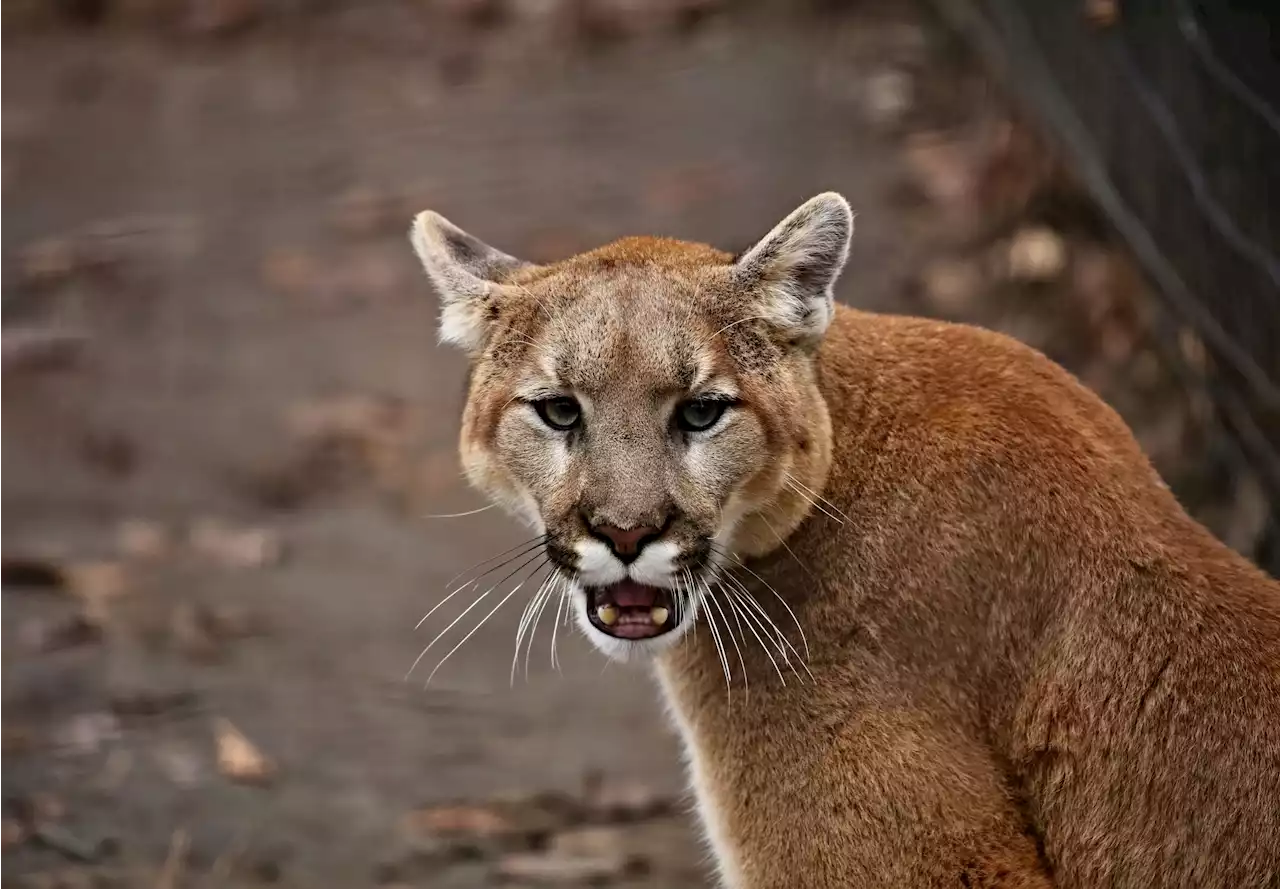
<point>629,594</point>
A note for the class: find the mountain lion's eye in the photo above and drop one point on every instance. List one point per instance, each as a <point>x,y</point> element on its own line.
<point>699,414</point>
<point>559,413</point>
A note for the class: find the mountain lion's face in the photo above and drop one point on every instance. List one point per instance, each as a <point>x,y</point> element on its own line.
<point>649,408</point>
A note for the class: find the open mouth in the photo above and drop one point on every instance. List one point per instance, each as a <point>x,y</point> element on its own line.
<point>630,610</point>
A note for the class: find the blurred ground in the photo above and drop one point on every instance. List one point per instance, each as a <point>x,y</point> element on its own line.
<point>226,418</point>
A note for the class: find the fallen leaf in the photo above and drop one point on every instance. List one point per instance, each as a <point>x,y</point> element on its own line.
<point>238,758</point>
<point>460,819</point>
<point>559,870</point>
<point>289,271</point>
<point>238,548</point>
<point>142,539</point>
<point>97,584</point>
<point>48,262</point>
<point>59,634</point>
<point>34,572</point>
<point>14,833</point>
<point>35,349</point>
<point>191,631</point>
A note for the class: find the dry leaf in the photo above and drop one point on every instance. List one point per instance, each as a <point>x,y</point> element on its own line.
<point>238,758</point>
<point>142,539</point>
<point>97,585</point>
<point>460,819</point>
<point>236,547</point>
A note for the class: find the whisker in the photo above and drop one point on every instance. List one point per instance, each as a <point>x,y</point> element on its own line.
<point>776,594</point>
<point>483,621</point>
<point>528,649</point>
<point>815,504</point>
<point>817,496</point>
<point>749,621</point>
<point>724,659</point>
<point>467,610</point>
<point>527,548</point>
<point>476,628</point>
<point>782,540</point>
<point>457,515</point>
<point>729,632</point>
<point>524,623</point>
<point>776,636</point>
<point>560,596</point>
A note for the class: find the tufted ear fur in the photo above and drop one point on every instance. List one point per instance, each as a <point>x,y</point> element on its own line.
<point>792,269</point>
<point>468,275</point>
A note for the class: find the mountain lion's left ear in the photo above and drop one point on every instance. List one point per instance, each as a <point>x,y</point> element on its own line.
<point>792,269</point>
<point>467,273</point>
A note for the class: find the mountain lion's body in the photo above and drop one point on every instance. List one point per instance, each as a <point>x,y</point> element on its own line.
<point>1016,632</point>
<point>1022,663</point>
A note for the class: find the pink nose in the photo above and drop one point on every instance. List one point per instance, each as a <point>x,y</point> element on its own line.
<point>626,544</point>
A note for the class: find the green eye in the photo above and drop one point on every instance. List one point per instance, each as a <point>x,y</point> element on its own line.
<point>700,414</point>
<point>559,413</point>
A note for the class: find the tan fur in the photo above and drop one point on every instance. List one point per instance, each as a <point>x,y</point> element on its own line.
<point>1029,666</point>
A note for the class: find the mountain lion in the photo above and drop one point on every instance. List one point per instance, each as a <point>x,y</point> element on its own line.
<point>923,612</point>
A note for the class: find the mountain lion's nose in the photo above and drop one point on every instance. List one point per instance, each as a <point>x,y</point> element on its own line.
<point>626,543</point>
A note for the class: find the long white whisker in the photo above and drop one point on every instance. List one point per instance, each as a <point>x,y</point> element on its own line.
<point>528,548</point>
<point>776,595</point>
<point>724,659</point>
<point>525,546</point>
<point>753,622</point>
<point>473,632</point>
<point>729,632</point>
<point>782,540</point>
<point>817,496</point>
<point>525,617</point>
<point>457,515</point>
<point>815,504</point>
<point>528,649</point>
<point>560,597</point>
<point>467,610</point>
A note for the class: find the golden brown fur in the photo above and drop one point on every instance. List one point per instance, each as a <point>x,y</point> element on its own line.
<point>1027,666</point>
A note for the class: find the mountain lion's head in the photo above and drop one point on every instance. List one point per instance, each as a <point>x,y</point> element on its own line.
<point>650,407</point>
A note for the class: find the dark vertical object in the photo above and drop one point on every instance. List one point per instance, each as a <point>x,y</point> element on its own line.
<point>1169,112</point>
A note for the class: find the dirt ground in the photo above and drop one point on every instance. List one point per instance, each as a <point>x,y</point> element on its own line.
<point>219,467</point>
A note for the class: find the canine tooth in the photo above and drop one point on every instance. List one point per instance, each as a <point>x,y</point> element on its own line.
<point>608,614</point>
<point>659,615</point>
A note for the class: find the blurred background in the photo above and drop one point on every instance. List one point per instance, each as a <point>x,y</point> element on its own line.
<point>227,425</point>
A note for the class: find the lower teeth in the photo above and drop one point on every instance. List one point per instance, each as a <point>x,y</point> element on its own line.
<point>608,614</point>
<point>659,616</point>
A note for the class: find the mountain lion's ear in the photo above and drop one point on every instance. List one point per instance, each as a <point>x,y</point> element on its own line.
<point>468,275</point>
<point>793,268</point>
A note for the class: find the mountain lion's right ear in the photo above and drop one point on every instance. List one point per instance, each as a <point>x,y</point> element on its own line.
<point>467,273</point>
<point>792,269</point>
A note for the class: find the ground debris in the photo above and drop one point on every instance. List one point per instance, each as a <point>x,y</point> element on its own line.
<point>33,349</point>
<point>142,539</point>
<point>13,832</point>
<point>43,636</point>
<point>556,869</point>
<point>33,572</point>
<point>622,801</point>
<point>238,548</point>
<point>238,758</point>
